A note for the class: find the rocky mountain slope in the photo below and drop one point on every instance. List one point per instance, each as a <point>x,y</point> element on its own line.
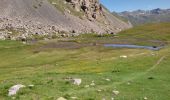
<point>141,17</point>
<point>55,18</point>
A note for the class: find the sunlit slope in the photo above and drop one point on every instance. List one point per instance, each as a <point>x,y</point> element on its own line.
<point>158,31</point>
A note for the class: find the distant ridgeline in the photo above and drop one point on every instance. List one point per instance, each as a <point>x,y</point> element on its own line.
<point>151,16</point>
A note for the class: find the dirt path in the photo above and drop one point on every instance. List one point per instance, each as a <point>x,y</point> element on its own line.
<point>147,71</point>
<point>129,79</point>
<point>156,64</point>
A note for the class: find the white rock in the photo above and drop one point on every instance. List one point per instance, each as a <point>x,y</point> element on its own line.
<point>14,89</point>
<point>24,42</point>
<point>9,32</point>
<point>77,81</point>
<point>74,98</point>
<point>61,98</point>
<point>107,79</point>
<point>123,56</point>
<point>115,92</point>
<point>99,90</point>
<point>31,85</point>
<point>92,84</point>
<point>145,98</point>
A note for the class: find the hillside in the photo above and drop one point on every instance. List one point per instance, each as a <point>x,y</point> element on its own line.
<point>151,16</point>
<point>55,18</point>
<point>158,31</point>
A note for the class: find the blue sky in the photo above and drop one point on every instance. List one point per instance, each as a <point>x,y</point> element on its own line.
<point>130,5</point>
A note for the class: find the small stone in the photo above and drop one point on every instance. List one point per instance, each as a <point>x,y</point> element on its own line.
<point>145,98</point>
<point>107,79</point>
<point>92,84</point>
<point>31,85</point>
<point>24,42</point>
<point>61,98</point>
<point>77,81</point>
<point>9,32</point>
<point>74,98</point>
<point>86,86</point>
<point>116,92</point>
<point>123,56</point>
<point>99,90</point>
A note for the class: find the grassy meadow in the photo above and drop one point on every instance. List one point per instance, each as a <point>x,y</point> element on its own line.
<point>46,64</point>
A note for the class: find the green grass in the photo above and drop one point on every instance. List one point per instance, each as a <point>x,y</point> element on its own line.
<point>149,34</point>
<point>159,31</point>
<point>46,68</point>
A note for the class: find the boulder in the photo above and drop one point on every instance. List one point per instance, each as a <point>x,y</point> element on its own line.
<point>14,89</point>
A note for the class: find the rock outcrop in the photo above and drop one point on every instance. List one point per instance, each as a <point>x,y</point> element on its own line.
<point>20,19</point>
<point>92,8</point>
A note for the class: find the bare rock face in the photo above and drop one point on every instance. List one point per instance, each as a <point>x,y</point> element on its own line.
<point>92,8</point>
<point>28,18</point>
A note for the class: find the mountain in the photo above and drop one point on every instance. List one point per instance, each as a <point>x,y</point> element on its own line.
<point>29,18</point>
<point>151,16</point>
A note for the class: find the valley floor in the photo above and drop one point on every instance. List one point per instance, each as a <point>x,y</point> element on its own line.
<point>137,74</point>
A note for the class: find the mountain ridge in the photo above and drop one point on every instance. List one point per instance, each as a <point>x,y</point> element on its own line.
<point>139,17</point>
